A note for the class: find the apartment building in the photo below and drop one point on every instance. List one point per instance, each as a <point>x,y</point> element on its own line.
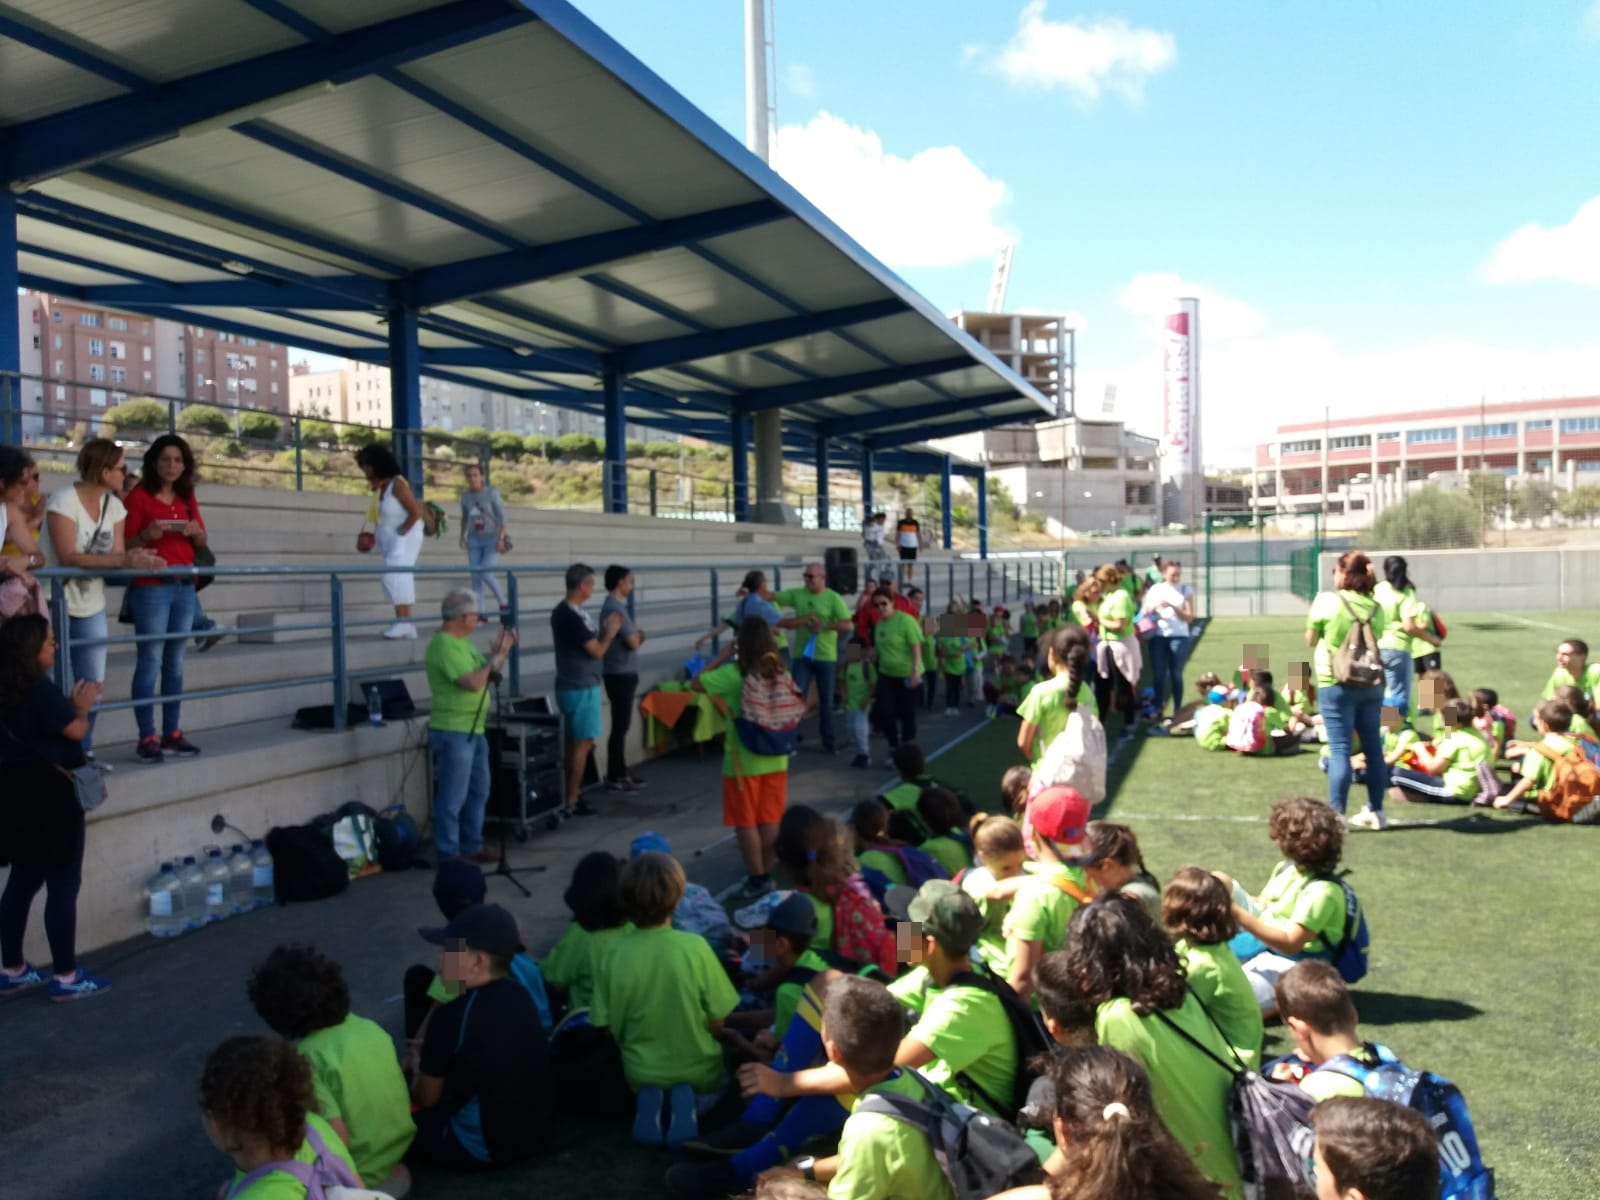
<point>227,369</point>
<point>1366,463</point>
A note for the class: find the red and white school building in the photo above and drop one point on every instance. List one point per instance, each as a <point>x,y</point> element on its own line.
<point>1364,464</point>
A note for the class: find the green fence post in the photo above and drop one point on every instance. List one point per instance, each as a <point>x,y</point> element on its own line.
<point>1261,563</point>
<point>299,465</point>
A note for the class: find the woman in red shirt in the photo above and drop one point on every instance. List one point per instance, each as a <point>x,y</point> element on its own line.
<point>163,516</point>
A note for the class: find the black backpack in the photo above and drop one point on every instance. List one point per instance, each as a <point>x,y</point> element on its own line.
<point>982,1155</point>
<point>1028,1035</point>
<point>305,865</point>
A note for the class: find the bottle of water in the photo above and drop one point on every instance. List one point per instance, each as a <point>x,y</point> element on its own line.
<point>374,705</point>
<point>215,870</point>
<point>241,895</point>
<point>261,874</point>
<point>193,880</point>
<point>166,903</point>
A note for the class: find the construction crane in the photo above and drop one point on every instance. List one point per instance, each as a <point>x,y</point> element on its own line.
<point>1001,277</point>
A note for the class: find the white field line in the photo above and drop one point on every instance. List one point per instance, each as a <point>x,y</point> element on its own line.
<point>1530,621</point>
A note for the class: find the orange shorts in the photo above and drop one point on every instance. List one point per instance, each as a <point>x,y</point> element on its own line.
<point>755,799</point>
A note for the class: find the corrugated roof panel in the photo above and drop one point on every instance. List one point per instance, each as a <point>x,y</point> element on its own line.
<point>613,318</point>
<point>687,282</point>
<point>814,274</point>
<point>111,253</point>
<point>340,16</point>
<point>36,85</point>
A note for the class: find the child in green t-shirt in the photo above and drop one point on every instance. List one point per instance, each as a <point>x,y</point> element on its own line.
<point>1448,768</point>
<point>1029,628</point>
<point>1582,710</point>
<point>1490,719</point>
<point>856,685</point>
<point>1198,912</point>
<point>944,815</point>
<point>1004,692</point>
<point>998,848</point>
<point>905,822</point>
<point>597,921</point>
<point>359,1087</point>
<point>1210,722</point>
<point>1552,720</point>
<point>783,948</point>
<point>950,652</point>
<point>869,828</point>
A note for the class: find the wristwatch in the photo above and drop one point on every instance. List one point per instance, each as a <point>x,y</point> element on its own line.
<point>807,1166</point>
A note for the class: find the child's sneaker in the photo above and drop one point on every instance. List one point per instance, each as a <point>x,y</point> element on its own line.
<point>647,1120</point>
<point>29,976</point>
<point>683,1121</point>
<point>149,751</point>
<point>1367,819</point>
<point>753,888</point>
<point>991,711</point>
<point>81,986</point>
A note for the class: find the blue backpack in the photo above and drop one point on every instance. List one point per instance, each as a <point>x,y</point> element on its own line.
<point>1462,1175</point>
<point>1349,957</point>
<point>919,866</point>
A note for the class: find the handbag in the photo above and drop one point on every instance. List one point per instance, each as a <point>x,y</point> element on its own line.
<point>88,785</point>
<point>202,558</point>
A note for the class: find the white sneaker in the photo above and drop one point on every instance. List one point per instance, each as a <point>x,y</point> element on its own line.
<point>401,630</point>
<point>1367,819</point>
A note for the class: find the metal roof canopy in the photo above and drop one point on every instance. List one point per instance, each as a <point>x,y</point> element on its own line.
<point>492,192</point>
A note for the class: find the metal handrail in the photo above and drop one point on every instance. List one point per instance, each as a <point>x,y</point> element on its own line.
<point>1036,576</point>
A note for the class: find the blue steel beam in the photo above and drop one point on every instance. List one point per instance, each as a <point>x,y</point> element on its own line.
<point>648,356</point>
<point>93,264</point>
<point>92,133</point>
<point>10,333</point>
<point>231,293</point>
<point>405,392</point>
<point>889,418</point>
<point>786,394</point>
<point>70,53</point>
<point>492,273</point>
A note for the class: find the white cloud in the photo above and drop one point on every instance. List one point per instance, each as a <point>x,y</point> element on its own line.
<point>1221,317</point>
<point>1084,59</point>
<point>1569,252</point>
<point>800,79</point>
<point>934,209</point>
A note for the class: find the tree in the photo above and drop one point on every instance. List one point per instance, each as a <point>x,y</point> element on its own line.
<point>204,418</point>
<point>260,426</point>
<point>577,447</point>
<point>1533,501</point>
<point>1428,519</point>
<point>356,436</point>
<point>536,445</point>
<point>475,433</point>
<point>661,449</point>
<point>137,415</point>
<point>507,446</point>
<point>633,448</point>
<point>1581,503</point>
<point>314,432</point>
<point>1489,491</point>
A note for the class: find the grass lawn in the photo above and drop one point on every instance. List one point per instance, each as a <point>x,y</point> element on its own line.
<point>1482,961</point>
<point>1481,967</point>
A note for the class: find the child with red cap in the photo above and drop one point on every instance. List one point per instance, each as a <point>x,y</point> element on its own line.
<point>1058,828</point>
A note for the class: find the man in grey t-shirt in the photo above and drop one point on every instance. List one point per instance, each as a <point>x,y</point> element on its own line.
<point>579,652</point>
<point>620,675</point>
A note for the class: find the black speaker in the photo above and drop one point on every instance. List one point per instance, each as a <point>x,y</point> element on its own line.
<point>392,693</point>
<point>843,573</point>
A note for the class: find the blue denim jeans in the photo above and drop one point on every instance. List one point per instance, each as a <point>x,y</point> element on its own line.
<point>1397,674</point>
<point>88,662</point>
<point>160,608</point>
<point>826,674</point>
<point>482,554</point>
<point>1167,656</point>
<point>1351,715</point>
<point>460,790</point>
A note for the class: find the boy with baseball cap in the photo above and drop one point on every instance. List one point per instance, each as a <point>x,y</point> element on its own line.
<point>1057,823</point>
<point>484,1090</point>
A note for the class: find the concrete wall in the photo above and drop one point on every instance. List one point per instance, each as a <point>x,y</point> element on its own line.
<point>1501,580</point>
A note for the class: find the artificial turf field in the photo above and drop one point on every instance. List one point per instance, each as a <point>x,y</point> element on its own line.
<point>1483,944</point>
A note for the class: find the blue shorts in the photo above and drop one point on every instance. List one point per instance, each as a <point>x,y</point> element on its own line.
<point>581,708</point>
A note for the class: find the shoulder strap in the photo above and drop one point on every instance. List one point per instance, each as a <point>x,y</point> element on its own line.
<point>1352,912</point>
<point>1236,1068</point>
<point>289,1166</point>
<point>1063,884</point>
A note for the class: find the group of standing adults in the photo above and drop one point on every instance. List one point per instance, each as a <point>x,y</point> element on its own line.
<point>1112,604</point>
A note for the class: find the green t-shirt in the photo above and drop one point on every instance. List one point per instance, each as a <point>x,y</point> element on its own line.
<point>858,680</point>
<point>1580,727</point>
<point>1211,726</point>
<point>1401,740</point>
<point>1461,751</point>
<point>1422,615</point>
<point>658,994</point>
<point>1190,1091</point>
<point>881,1157</point>
<point>1561,677</point>
<point>787,995</point>
<point>998,636</point>
<point>883,860</point>
<point>357,1079</point>
<point>969,1033</point>
<point>282,1186</point>
<point>953,655</point>
<point>1330,621</point>
<point>1220,982</point>
<point>1316,904</point>
<point>1045,708</point>
<point>455,710</point>
<point>991,944</point>
<point>1396,606</point>
<point>1041,910</point>
<point>902,797</point>
<point>827,606</point>
<point>1081,613</point>
<point>894,637</point>
<point>1539,768</point>
<point>950,853</point>
<point>573,962</point>
<point>1030,625</point>
<point>1119,605</point>
<point>726,683</point>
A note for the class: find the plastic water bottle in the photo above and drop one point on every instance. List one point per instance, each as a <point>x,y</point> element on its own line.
<point>374,705</point>
<point>193,880</point>
<point>215,874</point>
<point>241,897</point>
<point>166,903</point>
<point>261,874</point>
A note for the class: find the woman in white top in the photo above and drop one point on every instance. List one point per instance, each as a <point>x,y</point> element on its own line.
<point>1171,603</point>
<point>399,533</point>
<point>85,523</point>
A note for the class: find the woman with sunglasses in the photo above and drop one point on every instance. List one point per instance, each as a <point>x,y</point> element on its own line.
<point>897,637</point>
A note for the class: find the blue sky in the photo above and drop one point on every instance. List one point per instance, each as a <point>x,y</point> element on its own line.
<point>1343,186</point>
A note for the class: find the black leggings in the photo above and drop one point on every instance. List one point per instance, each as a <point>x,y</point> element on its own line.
<point>620,690</point>
<point>60,911</point>
<point>895,710</point>
<point>952,690</point>
<point>1113,692</point>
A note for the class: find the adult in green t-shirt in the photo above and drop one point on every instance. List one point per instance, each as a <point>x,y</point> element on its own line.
<point>458,680</point>
<point>1350,712</point>
<point>820,616</point>
<point>1120,661</point>
<point>1573,669</point>
<point>898,638</point>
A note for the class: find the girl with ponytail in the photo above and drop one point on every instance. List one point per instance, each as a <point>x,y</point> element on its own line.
<point>1044,712</point>
<point>1110,1144</point>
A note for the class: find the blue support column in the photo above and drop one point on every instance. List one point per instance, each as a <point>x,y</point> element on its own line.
<point>405,393</point>
<point>739,436</point>
<point>948,522</point>
<point>866,481</point>
<point>615,482</point>
<point>10,312</point>
<point>822,483</point>
<point>983,513</point>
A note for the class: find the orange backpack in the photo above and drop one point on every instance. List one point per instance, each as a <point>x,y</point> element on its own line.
<point>1574,792</point>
